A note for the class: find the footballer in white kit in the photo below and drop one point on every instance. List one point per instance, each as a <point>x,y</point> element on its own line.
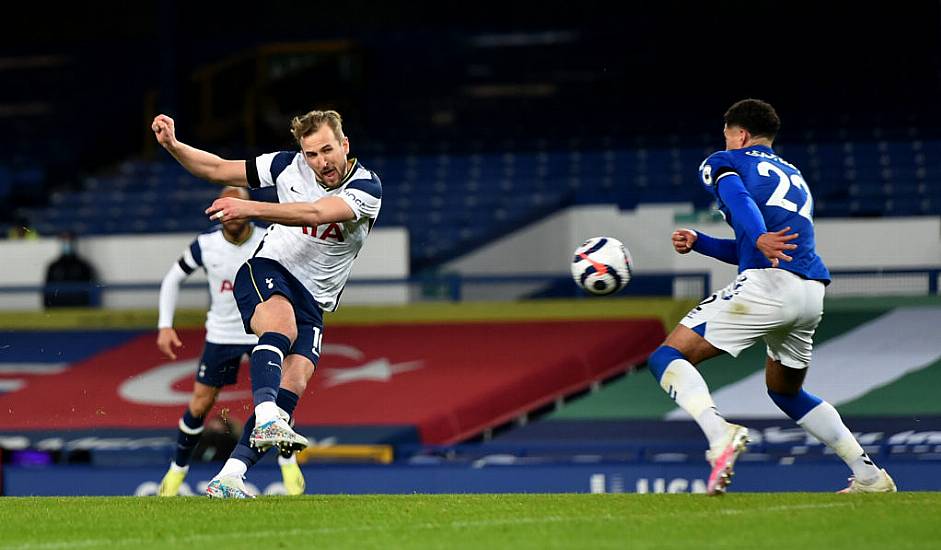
<point>221,259</point>
<point>320,257</point>
<point>220,251</point>
<point>327,205</point>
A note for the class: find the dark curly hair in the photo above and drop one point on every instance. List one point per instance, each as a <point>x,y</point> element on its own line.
<point>756,116</point>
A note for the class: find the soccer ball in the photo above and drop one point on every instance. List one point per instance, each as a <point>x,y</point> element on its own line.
<point>602,266</point>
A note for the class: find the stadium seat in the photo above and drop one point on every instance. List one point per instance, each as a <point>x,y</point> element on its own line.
<point>453,199</point>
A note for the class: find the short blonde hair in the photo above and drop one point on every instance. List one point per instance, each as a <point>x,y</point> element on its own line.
<point>305,125</point>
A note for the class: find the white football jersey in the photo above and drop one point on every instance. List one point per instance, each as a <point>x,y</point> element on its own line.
<point>319,257</point>
<point>221,260</point>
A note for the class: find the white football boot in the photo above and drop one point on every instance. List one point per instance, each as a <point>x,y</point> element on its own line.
<point>884,484</point>
<point>277,433</point>
<point>722,457</point>
<point>227,487</point>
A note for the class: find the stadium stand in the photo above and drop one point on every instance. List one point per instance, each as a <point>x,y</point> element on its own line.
<point>487,130</point>
<point>452,203</point>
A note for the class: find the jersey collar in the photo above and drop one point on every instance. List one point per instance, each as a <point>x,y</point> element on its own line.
<point>764,148</point>
<point>349,175</point>
<point>243,241</point>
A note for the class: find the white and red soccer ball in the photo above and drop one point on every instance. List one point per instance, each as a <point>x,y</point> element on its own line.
<point>602,266</point>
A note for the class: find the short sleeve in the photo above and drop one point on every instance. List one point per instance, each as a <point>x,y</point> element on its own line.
<point>364,196</point>
<point>714,168</point>
<point>264,170</point>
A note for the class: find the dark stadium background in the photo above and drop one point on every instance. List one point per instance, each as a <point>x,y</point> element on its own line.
<point>79,85</point>
<point>640,71</point>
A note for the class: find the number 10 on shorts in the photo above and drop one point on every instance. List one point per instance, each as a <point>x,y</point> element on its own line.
<point>318,339</point>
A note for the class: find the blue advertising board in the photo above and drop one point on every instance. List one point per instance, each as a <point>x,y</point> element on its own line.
<point>405,479</point>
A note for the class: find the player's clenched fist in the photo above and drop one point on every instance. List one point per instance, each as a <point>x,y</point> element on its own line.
<point>683,240</point>
<point>165,130</point>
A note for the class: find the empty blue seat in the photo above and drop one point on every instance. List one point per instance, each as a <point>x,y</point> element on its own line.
<point>449,200</point>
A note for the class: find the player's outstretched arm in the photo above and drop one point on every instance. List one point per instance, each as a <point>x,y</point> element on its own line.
<point>725,250</point>
<point>202,164</point>
<point>325,210</point>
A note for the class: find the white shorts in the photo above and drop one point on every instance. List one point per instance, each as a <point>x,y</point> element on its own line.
<point>773,304</point>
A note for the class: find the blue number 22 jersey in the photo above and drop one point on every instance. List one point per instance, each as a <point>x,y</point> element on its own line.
<point>783,199</point>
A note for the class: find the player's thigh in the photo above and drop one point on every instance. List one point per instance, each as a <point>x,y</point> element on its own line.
<point>694,347</point>
<point>737,316</point>
<point>276,314</point>
<point>264,292</point>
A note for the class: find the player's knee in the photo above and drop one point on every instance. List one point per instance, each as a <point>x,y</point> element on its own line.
<point>262,328</point>
<point>783,380</point>
<point>275,315</point>
<point>290,331</point>
<point>781,387</point>
<point>795,404</point>
<point>661,358</point>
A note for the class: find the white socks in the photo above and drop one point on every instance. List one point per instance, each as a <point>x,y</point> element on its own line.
<point>824,423</point>
<point>686,386</point>
<point>233,467</point>
<point>265,412</point>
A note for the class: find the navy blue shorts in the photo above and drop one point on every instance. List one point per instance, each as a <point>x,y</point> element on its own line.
<point>259,279</point>
<point>219,365</point>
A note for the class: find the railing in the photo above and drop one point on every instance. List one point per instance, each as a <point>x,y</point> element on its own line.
<point>909,281</point>
<point>437,287</point>
<point>454,287</point>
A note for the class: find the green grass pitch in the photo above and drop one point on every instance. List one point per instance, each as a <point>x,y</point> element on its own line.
<point>795,521</point>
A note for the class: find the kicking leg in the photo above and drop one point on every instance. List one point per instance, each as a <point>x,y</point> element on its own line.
<point>228,482</point>
<point>274,322</point>
<point>672,364</point>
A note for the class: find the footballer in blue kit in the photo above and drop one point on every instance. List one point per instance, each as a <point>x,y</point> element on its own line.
<point>782,198</point>
<point>777,297</point>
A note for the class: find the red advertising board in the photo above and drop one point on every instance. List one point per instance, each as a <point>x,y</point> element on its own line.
<point>451,380</point>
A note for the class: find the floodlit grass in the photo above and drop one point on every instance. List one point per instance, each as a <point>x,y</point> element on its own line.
<point>798,521</point>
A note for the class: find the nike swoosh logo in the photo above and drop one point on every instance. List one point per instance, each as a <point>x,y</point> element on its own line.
<point>274,364</point>
<point>295,190</point>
